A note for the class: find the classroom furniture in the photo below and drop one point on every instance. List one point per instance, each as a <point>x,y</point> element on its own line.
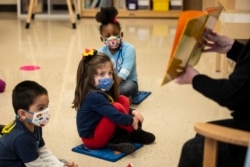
<point>32,11</point>
<point>214,134</point>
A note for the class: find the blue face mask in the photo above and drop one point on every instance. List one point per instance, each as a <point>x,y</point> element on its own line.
<point>105,84</point>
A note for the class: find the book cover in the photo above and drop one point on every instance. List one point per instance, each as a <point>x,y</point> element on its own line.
<point>191,27</point>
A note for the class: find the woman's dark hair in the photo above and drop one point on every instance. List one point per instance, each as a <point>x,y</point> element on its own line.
<point>107,16</point>
<point>86,71</point>
<point>24,94</point>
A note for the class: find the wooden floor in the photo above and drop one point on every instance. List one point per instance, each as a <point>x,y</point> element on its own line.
<point>170,111</point>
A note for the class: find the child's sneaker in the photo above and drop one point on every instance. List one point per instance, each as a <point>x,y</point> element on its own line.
<point>122,147</point>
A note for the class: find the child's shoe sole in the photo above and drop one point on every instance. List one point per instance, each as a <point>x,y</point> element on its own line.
<point>122,147</point>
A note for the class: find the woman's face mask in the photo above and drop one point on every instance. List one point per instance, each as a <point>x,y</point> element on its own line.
<point>40,118</point>
<point>113,42</point>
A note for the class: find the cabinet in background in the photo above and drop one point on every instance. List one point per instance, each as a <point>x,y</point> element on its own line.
<point>135,8</point>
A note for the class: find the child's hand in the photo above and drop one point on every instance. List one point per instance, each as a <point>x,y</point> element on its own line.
<point>135,123</point>
<point>138,115</point>
<point>70,164</point>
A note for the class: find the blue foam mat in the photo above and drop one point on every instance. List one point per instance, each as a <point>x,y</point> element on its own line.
<point>141,95</point>
<point>104,153</point>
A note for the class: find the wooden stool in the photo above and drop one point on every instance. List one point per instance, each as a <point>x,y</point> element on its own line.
<point>32,7</point>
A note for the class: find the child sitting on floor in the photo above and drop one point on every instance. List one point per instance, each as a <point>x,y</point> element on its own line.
<point>104,118</point>
<point>22,143</point>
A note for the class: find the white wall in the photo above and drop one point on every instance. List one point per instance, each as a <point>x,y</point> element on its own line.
<point>242,5</point>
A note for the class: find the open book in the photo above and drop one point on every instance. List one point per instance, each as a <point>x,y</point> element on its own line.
<point>192,26</point>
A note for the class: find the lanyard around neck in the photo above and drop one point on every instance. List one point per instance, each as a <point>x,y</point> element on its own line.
<point>119,60</point>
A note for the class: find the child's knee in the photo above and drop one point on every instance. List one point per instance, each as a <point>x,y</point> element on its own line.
<point>123,100</point>
<point>118,106</point>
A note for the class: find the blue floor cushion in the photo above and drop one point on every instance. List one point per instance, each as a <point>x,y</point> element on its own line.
<point>104,153</point>
<point>141,95</point>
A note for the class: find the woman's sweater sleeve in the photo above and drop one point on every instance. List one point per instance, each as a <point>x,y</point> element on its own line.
<point>235,50</point>
<point>229,91</point>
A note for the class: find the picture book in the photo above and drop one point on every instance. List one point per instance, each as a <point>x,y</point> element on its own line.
<point>192,26</point>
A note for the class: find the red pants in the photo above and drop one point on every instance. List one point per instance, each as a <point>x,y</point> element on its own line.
<point>106,128</point>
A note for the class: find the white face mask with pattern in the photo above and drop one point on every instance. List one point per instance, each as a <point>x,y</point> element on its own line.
<point>113,42</point>
<point>40,118</point>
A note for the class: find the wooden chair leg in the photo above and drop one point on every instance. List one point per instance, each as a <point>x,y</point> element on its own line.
<point>72,18</point>
<point>218,62</point>
<point>210,153</point>
<point>31,5</point>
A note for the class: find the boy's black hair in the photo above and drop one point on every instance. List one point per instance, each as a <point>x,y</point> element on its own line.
<point>24,94</point>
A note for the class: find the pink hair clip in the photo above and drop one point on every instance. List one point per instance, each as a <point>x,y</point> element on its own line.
<point>115,20</point>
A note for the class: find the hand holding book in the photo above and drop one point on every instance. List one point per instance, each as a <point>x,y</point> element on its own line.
<point>192,27</point>
<point>187,76</point>
<point>217,43</point>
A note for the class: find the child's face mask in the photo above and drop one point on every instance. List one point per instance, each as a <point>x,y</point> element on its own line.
<point>105,84</point>
<point>113,42</point>
<point>40,118</point>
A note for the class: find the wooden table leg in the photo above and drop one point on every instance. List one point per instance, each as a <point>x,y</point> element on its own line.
<point>77,11</point>
<point>71,14</point>
<point>34,9</point>
<point>29,14</point>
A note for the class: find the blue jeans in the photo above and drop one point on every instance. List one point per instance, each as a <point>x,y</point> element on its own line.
<point>128,88</point>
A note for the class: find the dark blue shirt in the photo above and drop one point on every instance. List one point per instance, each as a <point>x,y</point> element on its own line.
<point>95,106</point>
<point>20,146</point>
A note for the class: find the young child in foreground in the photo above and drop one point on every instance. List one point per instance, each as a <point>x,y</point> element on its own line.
<point>22,143</point>
<point>104,118</point>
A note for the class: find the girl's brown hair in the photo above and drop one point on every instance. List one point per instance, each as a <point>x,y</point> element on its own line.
<point>87,68</point>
